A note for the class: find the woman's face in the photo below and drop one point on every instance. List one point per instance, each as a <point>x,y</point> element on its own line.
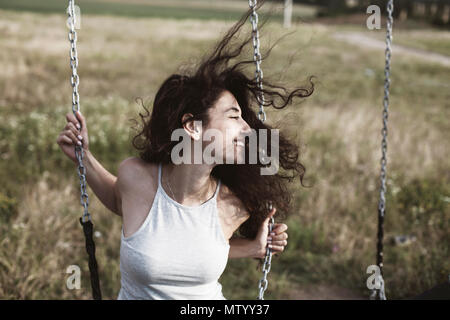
<point>225,116</point>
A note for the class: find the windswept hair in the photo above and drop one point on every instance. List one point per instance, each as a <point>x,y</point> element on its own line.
<point>195,92</point>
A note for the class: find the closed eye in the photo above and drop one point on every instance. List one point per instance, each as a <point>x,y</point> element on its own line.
<point>234,117</point>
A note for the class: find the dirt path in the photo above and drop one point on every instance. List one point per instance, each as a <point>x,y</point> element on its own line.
<point>367,42</point>
<point>324,292</point>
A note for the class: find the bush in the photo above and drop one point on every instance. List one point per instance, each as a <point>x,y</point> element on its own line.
<point>422,199</point>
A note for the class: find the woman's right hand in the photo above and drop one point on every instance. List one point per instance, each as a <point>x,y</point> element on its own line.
<point>70,135</point>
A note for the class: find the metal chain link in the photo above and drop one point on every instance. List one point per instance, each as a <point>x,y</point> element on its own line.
<point>379,294</point>
<point>75,81</point>
<point>257,58</point>
<point>263,283</point>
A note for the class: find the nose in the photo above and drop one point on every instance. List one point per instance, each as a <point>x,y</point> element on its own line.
<point>246,128</point>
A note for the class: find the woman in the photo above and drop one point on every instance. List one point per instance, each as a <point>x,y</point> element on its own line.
<point>179,219</point>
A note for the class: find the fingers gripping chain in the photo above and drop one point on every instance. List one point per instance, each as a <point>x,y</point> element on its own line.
<point>263,283</point>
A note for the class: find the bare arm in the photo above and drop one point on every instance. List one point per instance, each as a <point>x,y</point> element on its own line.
<point>243,248</point>
<point>98,178</point>
<point>256,248</point>
<point>102,182</point>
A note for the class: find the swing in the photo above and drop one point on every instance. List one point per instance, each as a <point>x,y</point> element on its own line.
<point>86,220</point>
<point>379,294</point>
<point>441,291</point>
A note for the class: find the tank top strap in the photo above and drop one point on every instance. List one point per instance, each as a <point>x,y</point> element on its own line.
<point>159,175</point>
<point>217,190</point>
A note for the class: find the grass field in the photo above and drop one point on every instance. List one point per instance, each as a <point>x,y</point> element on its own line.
<point>332,232</point>
<point>438,42</point>
<point>177,9</point>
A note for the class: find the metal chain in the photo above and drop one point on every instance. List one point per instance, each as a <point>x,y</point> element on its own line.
<point>379,294</point>
<point>75,81</point>
<point>263,283</point>
<point>257,58</point>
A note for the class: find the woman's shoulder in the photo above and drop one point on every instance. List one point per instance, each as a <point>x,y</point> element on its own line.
<point>134,171</point>
<point>137,165</point>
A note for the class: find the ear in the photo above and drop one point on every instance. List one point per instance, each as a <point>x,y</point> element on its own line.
<point>191,126</point>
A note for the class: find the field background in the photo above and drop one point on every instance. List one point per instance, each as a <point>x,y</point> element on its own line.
<point>127,48</point>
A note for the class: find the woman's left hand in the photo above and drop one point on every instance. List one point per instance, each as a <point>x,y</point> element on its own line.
<point>277,240</point>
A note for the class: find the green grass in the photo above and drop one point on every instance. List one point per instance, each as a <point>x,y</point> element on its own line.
<point>121,9</point>
<point>178,9</point>
<point>437,41</point>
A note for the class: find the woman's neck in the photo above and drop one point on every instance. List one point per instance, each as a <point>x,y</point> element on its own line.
<point>191,184</point>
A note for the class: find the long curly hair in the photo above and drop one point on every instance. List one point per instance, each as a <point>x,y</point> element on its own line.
<point>195,92</point>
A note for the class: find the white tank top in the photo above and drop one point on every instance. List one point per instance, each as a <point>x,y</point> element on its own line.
<point>178,253</point>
